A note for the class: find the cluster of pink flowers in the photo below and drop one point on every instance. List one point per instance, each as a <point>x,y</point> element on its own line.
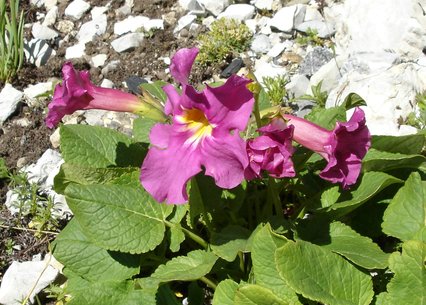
<point>204,133</point>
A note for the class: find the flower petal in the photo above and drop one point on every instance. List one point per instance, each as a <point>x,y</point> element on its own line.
<point>181,64</point>
<point>160,135</point>
<point>225,159</point>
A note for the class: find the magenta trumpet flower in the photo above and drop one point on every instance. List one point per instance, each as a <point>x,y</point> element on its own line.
<point>204,133</point>
<point>343,148</point>
<point>271,151</point>
<point>77,93</point>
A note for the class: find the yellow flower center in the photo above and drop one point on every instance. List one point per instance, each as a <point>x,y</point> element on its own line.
<point>197,123</point>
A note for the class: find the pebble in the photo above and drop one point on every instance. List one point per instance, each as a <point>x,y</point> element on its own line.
<point>289,17</point>
<point>76,51</point>
<point>9,100</point>
<point>48,4</point>
<point>32,92</point>
<point>214,6</point>
<point>76,9</point>
<point>133,82</point>
<point>99,60</point>
<point>38,52</point>
<point>324,30</point>
<point>55,138</point>
<point>264,4</point>
<point>184,22</point>
<point>314,60</point>
<point>51,16</point>
<point>238,11</point>
<point>106,83</point>
<point>110,67</point>
<point>260,44</point>
<point>65,26</point>
<point>232,68</point>
<point>127,42</point>
<point>92,29</point>
<point>130,24</point>
<point>40,31</point>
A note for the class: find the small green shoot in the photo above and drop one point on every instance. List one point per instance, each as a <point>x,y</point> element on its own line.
<point>310,38</point>
<point>318,96</point>
<point>226,38</point>
<point>275,88</point>
<point>418,120</point>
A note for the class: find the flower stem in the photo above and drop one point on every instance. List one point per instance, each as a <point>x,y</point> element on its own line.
<point>257,111</point>
<point>199,240</point>
<point>208,282</point>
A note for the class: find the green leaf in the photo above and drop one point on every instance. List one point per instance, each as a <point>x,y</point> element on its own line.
<point>225,293</point>
<point>191,267</point>
<point>408,284</point>
<point>405,217</point>
<point>156,89</point>
<point>256,295</point>
<point>353,100</point>
<point>111,293</point>
<point>266,274</point>
<point>330,196</point>
<point>4,173</point>
<point>327,118</point>
<point>71,173</point>
<point>229,242</point>
<point>117,217</point>
<point>74,250</point>
<point>142,128</point>
<point>176,238</point>
<point>263,100</point>
<point>94,146</point>
<point>166,296</point>
<point>322,275</point>
<point>371,184</point>
<point>409,145</point>
<point>376,160</point>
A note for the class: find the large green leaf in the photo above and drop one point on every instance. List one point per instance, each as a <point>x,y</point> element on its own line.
<point>405,217</point>
<point>225,293</point>
<point>408,284</point>
<point>371,184</point>
<point>256,295</point>
<point>142,128</point>
<point>322,275</point>
<point>71,173</point>
<point>266,274</point>
<point>229,242</point>
<point>410,144</point>
<point>191,267</point>
<point>95,146</point>
<point>118,217</point>
<point>156,89</point>
<point>73,249</point>
<point>327,118</point>
<point>376,160</point>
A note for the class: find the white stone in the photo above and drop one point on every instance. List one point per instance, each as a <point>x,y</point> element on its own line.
<point>130,24</point>
<point>51,16</point>
<point>13,204</point>
<point>214,6</point>
<point>21,279</point>
<point>287,18</point>
<point>77,8</point>
<point>208,21</point>
<point>263,68</point>
<point>91,29</point>
<point>55,138</point>
<point>65,26</point>
<point>251,24</point>
<point>375,26</point>
<point>323,29</point>
<point>298,85</point>
<point>330,75</point>
<point>264,4</point>
<point>128,41</point>
<point>98,11</point>
<point>277,49</point>
<point>39,172</point>
<point>99,60</point>
<point>48,4</point>
<point>33,91</point>
<point>38,52</point>
<point>38,3</point>
<point>260,44</point>
<point>43,32</point>
<point>9,100</point>
<point>106,83</point>
<point>76,51</point>
<point>154,24</point>
<point>312,14</point>
<point>183,22</point>
<point>191,5</point>
<point>238,11</point>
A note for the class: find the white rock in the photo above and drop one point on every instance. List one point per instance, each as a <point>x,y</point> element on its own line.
<point>76,51</point>
<point>48,4</point>
<point>65,26</point>
<point>251,24</point>
<point>99,60</point>
<point>128,41</point>
<point>38,3</point>
<point>55,138</point>
<point>323,29</point>
<point>191,5</point>
<point>98,11</point>
<point>263,68</point>
<point>277,49</point>
<point>298,85</point>
<point>33,91</point>
<point>123,11</point>
<point>154,24</point>
<point>20,279</point>
<point>51,16</point>
<point>106,83</point>
<point>130,24</point>
<point>287,18</point>
<point>38,52</point>
<point>208,21</point>
<point>94,117</point>
<point>330,75</point>
<point>184,21</point>
<point>264,4</point>
<point>374,26</point>
<point>260,44</point>
<point>39,172</point>
<point>43,32</point>
<point>93,28</point>
<point>77,8</point>
<point>214,6</point>
<point>312,14</point>
<point>9,100</point>
<point>238,11</point>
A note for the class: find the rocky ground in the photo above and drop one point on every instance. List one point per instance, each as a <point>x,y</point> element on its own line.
<point>374,49</point>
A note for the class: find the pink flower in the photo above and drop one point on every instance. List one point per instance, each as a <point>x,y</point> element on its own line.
<point>343,148</point>
<point>78,93</point>
<point>204,134</point>
<point>271,151</point>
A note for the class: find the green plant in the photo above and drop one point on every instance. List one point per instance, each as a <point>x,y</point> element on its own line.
<point>318,96</point>
<point>275,88</point>
<point>310,37</point>
<point>57,293</point>
<point>4,173</point>
<point>226,37</point>
<point>9,243</point>
<point>418,119</point>
<point>11,39</point>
